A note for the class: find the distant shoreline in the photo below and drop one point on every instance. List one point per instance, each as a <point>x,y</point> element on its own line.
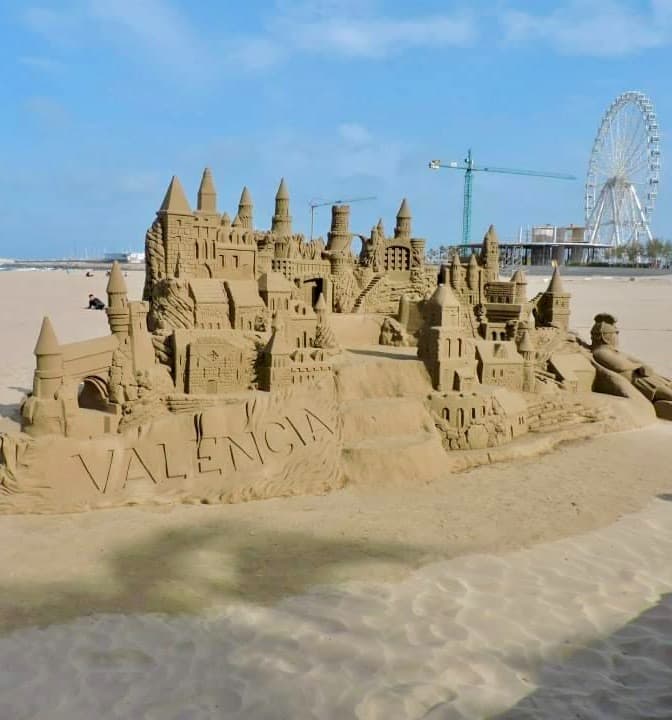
<point>67,265</point>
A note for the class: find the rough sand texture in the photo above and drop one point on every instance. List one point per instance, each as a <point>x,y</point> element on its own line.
<point>550,632</point>
<point>390,601</point>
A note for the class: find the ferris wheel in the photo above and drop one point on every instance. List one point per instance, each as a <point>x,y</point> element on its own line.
<point>623,173</point>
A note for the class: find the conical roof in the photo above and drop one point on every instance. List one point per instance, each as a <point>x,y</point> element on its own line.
<point>456,262</point>
<point>555,286</point>
<point>519,277</point>
<point>473,261</point>
<point>116,285</point>
<point>321,304</point>
<point>444,297</point>
<point>491,236</point>
<point>404,209</point>
<point>225,219</point>
<point>207,186</point>
<point>175,201</point>
<point>245,197</point>
<point>283,192</point>
<point>237,222</point>
<point>47,343</point>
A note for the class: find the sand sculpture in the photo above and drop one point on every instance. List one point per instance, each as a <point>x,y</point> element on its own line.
<point>618,372</point>
<point>228,381</point>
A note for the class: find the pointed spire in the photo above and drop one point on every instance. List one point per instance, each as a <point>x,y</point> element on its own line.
<point>175,201</point>
<point>116,285</point>
<point>555,286</point>
<point>225,220</point>
<point>207,195</point>
<point>404,209</point>
<point>473,261</point>
<point>47,343</point>
<point>236,222</point>
<point>456,262</point>
<point>245,198</point>
<point>321,304</point>
<point>491,236</point>
<point>283,192</point>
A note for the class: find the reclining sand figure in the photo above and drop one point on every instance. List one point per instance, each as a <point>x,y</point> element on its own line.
<point>617,371</point>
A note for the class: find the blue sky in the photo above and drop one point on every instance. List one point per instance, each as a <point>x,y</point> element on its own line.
<point>105,99</point>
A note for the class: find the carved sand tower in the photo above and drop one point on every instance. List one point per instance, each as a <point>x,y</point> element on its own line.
<point>177,220</point>
<point>490,255</point>
<point>245,210</point>
<point>281,223</point>
<point>527,350</point>
<point>553,308</point>
<point>402,229</point>
<point>338,237</point>
<point>117,305</point>
<point>48,363</point>
<point>276,371</point>
<point>207,195</point>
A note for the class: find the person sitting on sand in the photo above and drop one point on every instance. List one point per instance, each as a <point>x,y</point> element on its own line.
<point>604,336</point>
<point>95,303</point>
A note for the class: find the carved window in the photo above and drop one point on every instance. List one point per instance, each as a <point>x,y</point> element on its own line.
<point>446,414</point>
<point>460,417</point>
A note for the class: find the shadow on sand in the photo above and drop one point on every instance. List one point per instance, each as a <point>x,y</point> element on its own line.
<point>187,570</point>
<point>627,675</point>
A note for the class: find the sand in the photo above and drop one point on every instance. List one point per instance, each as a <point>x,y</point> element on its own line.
<point>534,589</point>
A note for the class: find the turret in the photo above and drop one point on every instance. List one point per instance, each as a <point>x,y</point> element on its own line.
<point>207,195</point>
<point>48,363</point>
<point>177,221</point>
<point>245,210</point>
<point>338,237</point>
<point>282,221</point>
<point>456,279</point>
<point>402,229</point>
<point>117,303</point>
<point>520,290</point>
<point>276,370</point>
<point>490,254</point>
<point>473,272</point>
<point>527,350</point>
<point>553,307</point>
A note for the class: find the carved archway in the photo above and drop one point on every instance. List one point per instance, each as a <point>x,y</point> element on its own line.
<point>93,393</point>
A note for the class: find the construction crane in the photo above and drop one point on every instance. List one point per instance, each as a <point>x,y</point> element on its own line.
<point>319,203</point>
<point>469,168</point>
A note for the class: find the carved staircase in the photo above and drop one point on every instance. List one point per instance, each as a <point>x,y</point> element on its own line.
<point>359,305</point>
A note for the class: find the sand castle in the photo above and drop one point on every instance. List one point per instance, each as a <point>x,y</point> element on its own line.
<point>229,381</point>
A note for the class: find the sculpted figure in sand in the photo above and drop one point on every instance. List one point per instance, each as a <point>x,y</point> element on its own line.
<point>616,365</point>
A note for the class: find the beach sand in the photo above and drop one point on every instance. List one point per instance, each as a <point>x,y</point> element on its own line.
<point>534,589</point>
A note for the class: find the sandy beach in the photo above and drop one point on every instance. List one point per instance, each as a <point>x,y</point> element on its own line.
<point>535,589</point>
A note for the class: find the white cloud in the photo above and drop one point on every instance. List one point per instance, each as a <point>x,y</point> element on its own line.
<point>593,27</point>
<point>154,26</point>
<point>378,36</point>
